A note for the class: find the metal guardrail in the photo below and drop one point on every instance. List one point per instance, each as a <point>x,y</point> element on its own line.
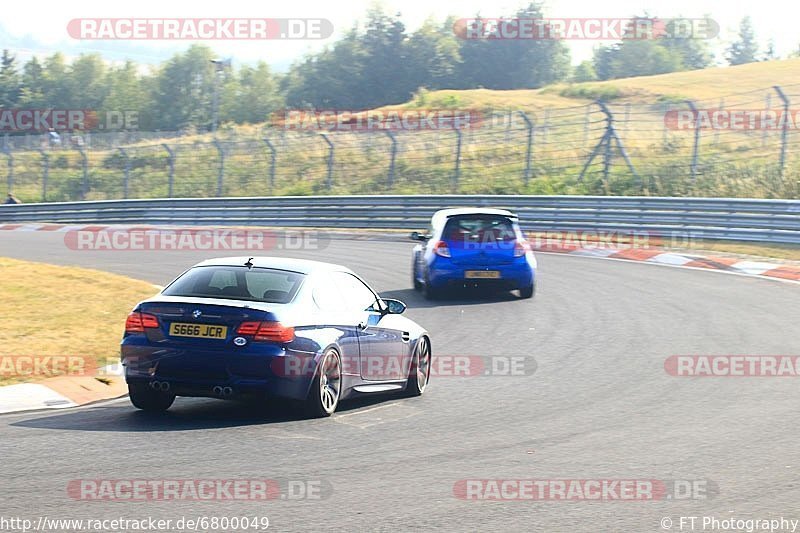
<point>768,221</point>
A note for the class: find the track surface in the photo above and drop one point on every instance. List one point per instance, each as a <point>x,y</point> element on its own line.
<point>600,405</point>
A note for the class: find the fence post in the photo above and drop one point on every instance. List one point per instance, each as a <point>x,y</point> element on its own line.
<point>127,172</point>
<point>329,182</point>
<point>457,172</point>
<point>171,161</point>
<point>696,144</point>
<point>221,172</point>
<point>546,126</point>
<point>716,130</point>
<point>586,125</point>
<point>10,157</point>
<point>529,149</point>
<point>784,128</point>
<point>393,156</point>
<point>273,156</point>
<point>85,166</point>
<point>767,106</point>
<point>45,172</point>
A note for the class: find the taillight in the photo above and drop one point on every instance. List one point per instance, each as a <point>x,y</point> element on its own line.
<point>441,249</point>
<point>138,322</point>
<point>521,248</point>
<point>266,331</point>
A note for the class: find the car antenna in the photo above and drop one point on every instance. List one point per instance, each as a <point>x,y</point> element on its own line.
<point>249,263</point>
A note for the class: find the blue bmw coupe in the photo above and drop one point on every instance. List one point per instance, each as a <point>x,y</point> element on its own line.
<point>271,328</point>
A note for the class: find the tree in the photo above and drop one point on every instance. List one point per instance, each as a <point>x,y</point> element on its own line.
<point>584,72</point>
<point>745,49</point>
<point>9,81</point>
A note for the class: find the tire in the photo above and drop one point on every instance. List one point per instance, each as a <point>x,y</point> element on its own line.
<point>429,292</point>
<point>527,292</point>
<point>414,280</point>
<point>419,375</point>
<point>144,398</point>
<point>326,389</point>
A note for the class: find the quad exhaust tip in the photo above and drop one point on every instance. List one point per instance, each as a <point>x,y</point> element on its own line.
<point>162,386</point>
<point>222,391</point>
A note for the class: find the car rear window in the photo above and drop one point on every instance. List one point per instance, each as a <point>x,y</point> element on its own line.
<point>237,283</point>
<point>479,228</point>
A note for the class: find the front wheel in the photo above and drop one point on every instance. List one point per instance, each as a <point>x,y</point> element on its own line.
<point>148,399</point>
<point>420,372</point>
<point>327,386</point>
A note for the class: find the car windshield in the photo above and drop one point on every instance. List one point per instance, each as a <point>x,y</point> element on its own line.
<point>479,228</point>
<point>237,283</point>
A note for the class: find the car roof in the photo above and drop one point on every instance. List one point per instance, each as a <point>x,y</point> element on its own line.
<point>443,214</point>
<point>301,266</point>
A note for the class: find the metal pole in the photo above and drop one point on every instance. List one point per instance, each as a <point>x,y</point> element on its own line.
<point>171,161</point>
<point>784,127</point>
<point>767,105</point>
<point>330,160</point>
<point>457,173</point>
<point>696,146</point>
<point>273,157</point>
<point>127,171</point>
<point>45,172</point>
<point>10,157</point>
<point>85,165</point>
<point>529,149</point>
<point>393,157</point>
<point>221,172</point>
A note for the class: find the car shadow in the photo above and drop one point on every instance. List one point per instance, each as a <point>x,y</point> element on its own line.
<point>187,414</point>
<point>461,297</point>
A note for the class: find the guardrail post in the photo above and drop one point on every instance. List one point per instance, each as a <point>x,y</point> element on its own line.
<point>784,128</point>
<point>329,179</point>
<point>127,172</point>
<point>529,149</point>
<point>85,167</point>
<point>696,144</point>
<point>272,158</point>
<point>393,156</point>
<point>45,172</point>
<point>221,172</point>
<point>171,161</point>
<point>10,156</point>
<point>457,170</point>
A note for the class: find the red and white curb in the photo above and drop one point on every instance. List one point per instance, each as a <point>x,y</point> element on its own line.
<point>36,396</point>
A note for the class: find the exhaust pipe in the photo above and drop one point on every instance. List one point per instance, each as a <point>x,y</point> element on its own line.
<point>227,391</point>
<point>162,386</point>
<point>217,390</point>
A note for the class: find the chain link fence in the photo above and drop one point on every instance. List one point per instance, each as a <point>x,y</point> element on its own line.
<point>741,145</point>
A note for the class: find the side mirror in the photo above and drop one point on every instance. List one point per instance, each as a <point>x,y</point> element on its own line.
<point>394,307</point>
<point>417,236</point>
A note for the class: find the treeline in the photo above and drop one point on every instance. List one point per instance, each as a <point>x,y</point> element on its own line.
<point>375,63</point>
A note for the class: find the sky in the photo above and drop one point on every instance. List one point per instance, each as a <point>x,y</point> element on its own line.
<point>40,27</point>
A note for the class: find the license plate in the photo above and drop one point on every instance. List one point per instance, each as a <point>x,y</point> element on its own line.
<point>482,274</point>
<point>205,331</point>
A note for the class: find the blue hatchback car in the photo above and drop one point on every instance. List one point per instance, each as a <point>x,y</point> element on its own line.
<point>270,327</point>
<point>469,247</point>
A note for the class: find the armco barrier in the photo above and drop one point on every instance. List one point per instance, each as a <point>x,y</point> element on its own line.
<point>769,221</point>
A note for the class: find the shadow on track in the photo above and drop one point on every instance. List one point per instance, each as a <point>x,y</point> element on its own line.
<point>466,296</point>
<point>188,414</point>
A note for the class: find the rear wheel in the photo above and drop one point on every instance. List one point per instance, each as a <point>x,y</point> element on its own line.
<point>147,399</point>
<point>327,386</point>
<point>428,291</point>
<point>527,292</point>
<point>420,372</point>
<point>414,280</point>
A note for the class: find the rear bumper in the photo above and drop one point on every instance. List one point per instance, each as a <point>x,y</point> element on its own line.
<point>207,374</point>
<point>444,273</point>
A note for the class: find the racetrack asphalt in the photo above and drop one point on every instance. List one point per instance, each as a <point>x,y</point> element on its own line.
<point>599,406</point>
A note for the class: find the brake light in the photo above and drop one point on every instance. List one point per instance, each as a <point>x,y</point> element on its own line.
<point>138,322</point>
<point>266,331</point>
<point>441,249</point>
<point>521,248</point>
